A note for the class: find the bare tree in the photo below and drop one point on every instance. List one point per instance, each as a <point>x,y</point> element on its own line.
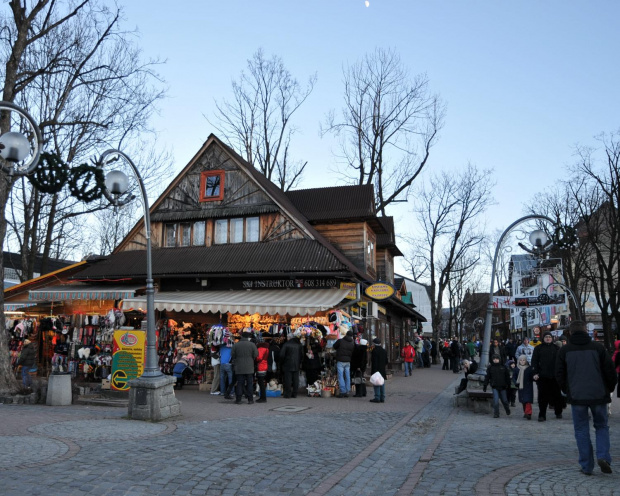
<point>70,64</point>
<point>257,123</point>
<point>596,194</point>
<point>389,123</point>
<point>560,203</point>
<point>449,213</point>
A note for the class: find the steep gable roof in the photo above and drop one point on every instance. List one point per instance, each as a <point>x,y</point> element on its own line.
<point>335,202</point>
<point>272,192</point>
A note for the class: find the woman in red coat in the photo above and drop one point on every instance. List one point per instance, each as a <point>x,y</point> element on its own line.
<point>261,374</point>
<point>408,354</point>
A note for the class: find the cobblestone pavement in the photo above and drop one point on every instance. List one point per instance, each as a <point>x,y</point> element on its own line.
<point>415,443</point>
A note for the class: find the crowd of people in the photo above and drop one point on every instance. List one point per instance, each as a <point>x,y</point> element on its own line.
<point>574,369</point>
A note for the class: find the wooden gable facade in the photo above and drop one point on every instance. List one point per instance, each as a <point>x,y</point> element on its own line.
<point>243,210</point>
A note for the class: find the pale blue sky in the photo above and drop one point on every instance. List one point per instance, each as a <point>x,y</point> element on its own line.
<point>524,80</point>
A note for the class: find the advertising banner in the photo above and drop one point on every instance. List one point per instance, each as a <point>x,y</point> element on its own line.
<point>127,357</point>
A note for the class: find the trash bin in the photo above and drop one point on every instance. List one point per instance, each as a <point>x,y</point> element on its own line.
<point>59,390</point>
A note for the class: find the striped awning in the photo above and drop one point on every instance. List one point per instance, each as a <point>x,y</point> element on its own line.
<point>268,301</point>
<point>11,307</point>
<point>82,292</point>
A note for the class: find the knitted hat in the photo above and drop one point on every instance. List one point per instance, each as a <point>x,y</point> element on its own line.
<point>350,333</point>
<point>376,341</point>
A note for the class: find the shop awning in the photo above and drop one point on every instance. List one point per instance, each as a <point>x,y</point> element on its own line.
<point>268,301</point>
<point>11,307</point>
<point>82,292</point>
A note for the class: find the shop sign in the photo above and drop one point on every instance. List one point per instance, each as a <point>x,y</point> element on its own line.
<point>127,357</point>
<point>313,283</point>
<point>379,291</point>
<point>352,287</point>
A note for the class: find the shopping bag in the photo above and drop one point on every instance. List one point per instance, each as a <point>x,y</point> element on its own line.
<point>302,380</point>
<point>377,379</point>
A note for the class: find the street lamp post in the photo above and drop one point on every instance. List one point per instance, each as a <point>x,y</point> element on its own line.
<point>151,396</point>
<point>539,240</point>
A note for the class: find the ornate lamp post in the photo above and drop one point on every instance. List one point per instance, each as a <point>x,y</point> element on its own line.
<point>541,243</point>
<point>151,395</point>
<point>20,148</point>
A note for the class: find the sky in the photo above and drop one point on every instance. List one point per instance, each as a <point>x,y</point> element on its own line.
<point>523,81</point>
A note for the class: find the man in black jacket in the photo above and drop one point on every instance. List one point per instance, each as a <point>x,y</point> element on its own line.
<point>543,367</point>
<point>344,351</point>
<point>585,372</point>
<point>290,358</point>
<point>378,363</point>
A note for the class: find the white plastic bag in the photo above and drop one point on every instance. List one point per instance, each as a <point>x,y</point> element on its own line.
<point>377,379</point>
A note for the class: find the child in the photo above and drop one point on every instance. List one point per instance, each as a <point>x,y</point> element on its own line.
<point>523,377</point>
<point>499,377</point>
<point>512,392</point>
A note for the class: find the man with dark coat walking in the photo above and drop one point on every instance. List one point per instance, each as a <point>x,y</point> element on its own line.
<point>543,367</point>
<point>586,374</point>
<point>290,358</point>
<point>244,354</point>
<point>378,362</point>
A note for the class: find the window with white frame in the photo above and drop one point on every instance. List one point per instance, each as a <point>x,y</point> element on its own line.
<point>221,232</point>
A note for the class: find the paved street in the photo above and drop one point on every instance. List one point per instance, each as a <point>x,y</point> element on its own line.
<point>415,443</point>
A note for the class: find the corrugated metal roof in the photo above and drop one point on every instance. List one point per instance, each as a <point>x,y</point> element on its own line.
<point>336,202</point>
<point>295,256</point>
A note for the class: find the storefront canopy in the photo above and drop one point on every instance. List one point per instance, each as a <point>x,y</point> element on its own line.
<point>11,307</point>
<point>82,292</point>
<point>268,301</point>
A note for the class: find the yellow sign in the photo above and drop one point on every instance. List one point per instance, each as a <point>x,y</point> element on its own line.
<point>127,358</point>
<point>379,291</point>
<point>352,287</point>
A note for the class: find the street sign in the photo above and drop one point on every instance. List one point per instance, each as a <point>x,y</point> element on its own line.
<point>529,301</point>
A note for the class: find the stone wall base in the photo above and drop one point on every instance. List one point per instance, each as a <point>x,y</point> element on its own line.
<point>153,398</point>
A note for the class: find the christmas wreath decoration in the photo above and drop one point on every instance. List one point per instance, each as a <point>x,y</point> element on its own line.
<point>565,237</point>
<point>50,175</point>
<point>80,182</point>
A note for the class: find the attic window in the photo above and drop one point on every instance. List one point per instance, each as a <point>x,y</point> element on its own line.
<point>212,185</point>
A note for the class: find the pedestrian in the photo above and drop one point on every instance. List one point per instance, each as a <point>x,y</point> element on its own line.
<point>469,367</point>
<point>497,349</point>
<point>586,374</point>
<point>27,359</point>
<point>181,371</point>
<point>344,351</point>
<point>543,367</point>
<point>244,354</point>
<point>418,344</point>
<point>226,371</point>
<point>378,362</point>
<point>525,349</point>
<point>215,363</point>
<point>455,355</point>
<point>445,355</point>
<point>510,349</point>
<point>311,363</point>
<point>434,352</point>
<point>359,362</point>
<point>262,361</point>
<point>408,355</point>
<point>426,353</point>
<point>499,378</point>
<point>523,378</point>
<point>291,356</point>
<point>512,391</point>
<point>471,349</point>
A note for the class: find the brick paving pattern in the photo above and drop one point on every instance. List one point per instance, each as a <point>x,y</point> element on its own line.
<point>415,443</point>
